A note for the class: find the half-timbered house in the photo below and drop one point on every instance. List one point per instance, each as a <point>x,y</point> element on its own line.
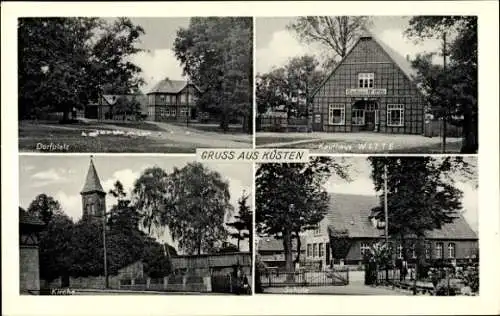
<point>371,89</point>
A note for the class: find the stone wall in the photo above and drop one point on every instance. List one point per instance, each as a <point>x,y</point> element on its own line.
<point>29,273</point>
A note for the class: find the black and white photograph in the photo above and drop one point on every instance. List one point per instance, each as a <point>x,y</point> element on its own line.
<point>134,225</point>
<point>367,84</point>
<point>377,225</point>
<point>145,85</point>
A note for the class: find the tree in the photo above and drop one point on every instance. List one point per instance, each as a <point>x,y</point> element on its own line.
<point>282,85</point>
<point>290,199</point>
<point>44,207</point>
<point>336,33</point>
<point>55,247</point>
<point>243,223</point>
<point>197,208</point>
<point>455,84</point>
<point>125,106</point>
<point>216,54</point>
<point>421,196</point>
<point>191,202</point>
<point>65,62</point>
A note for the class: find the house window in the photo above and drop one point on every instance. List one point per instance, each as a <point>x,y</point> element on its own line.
<point>162,98</point>
<point>413,251</point>
<point>183,98</point>
<point>439,250</point>
<point>358,117</point>
<point>364,248</point>
<point>151,99</point>
<point>184,111</point>
<point>309,250</point>
<point>317,230</point>
<point>336,114</point>
<point>400,252</point>
<point>327,249</point>
<point>451,250</point>
<point>427,250</point>
<point>315,250</point>
<point>366,80</point>
<point>167,112</point>
<point>395,114</point>
<point>173,112</point>
<point>321,250</point>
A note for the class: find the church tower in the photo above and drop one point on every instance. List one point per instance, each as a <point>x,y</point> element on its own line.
<point>93,195</point>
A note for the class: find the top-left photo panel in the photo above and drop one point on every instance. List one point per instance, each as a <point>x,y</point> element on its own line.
<point>134,85</point>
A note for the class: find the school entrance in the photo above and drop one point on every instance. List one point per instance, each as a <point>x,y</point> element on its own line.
<point>366,115</point>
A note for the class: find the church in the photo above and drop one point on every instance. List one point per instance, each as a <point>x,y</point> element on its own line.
<point>370,90</point>
<point>93,195</point>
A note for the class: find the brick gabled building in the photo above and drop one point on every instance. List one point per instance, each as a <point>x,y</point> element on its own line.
<point>353,214</point>
<point>172,100</point>
<point>371,89</point>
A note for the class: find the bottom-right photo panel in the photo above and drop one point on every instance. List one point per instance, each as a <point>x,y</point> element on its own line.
<point>376,225</point>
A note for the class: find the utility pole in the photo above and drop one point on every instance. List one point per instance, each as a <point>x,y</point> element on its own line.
<point>106,285</point>
<point>188,111</point>
<point>386,219</point>
<point>445,116</point>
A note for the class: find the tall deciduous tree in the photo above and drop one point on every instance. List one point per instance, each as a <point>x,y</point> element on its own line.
<point>297,79</point>
<point>290,198</point>
<point>421,196</point>
<point>216,53</point>
<point>65,62</point>
<point>44,207</point>
<point>456,85</point>
<point>336,33</point>
<point>199,204</point>
<point>191,202</point>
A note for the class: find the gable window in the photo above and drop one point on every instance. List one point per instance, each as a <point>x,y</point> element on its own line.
<point>451,250</point>
<point>365,80</point>
<point>309,250</point>
<point>395,114</point>
<point>439,250</point>
<point>336,114</point>
<point>358,117</point>
<point>364,248</point>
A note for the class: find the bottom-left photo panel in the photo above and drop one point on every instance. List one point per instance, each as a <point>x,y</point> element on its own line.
<point>131,225</point>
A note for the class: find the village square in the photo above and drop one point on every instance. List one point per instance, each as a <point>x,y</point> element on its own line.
<point>134,84</point>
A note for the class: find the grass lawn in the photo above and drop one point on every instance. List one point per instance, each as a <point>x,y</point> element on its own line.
<point>70,137</point>
<point>233,129</point>
<point>139,125</point>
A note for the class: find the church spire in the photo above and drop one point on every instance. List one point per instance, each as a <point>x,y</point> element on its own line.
<point>92,182</point>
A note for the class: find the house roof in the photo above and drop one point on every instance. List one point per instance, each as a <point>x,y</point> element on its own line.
<point>92,182</point>
<point>352,212</point>
<point>273,244</point>
<point>395,56</point>
<point>27,219</point>
<point>111,99</point>
<point>169,86</point>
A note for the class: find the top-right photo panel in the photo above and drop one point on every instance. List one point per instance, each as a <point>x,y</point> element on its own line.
<point>367,84</point>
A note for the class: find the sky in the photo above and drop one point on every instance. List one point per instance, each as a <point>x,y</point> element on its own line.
<point>362,184</point>
<point>275,45</point>
<point>158,60</point>
<point>63,177</point>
